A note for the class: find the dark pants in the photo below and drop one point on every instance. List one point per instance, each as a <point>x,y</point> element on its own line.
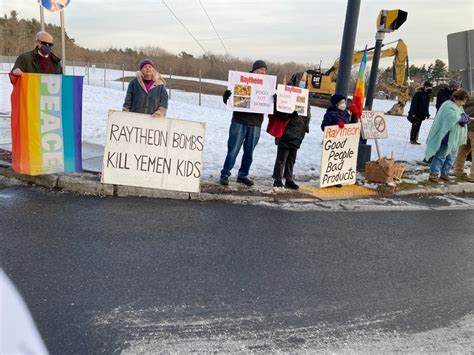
<point>415,129</point>
<point>284,163</point>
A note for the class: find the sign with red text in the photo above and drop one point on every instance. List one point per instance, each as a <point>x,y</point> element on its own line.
<point>160,153</point>
<point>339,156</point>
<point>292,98</point>
<point>251,92</point>
<point>373,125</point>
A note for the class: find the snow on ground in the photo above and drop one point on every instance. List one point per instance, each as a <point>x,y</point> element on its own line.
<point>97,100</point>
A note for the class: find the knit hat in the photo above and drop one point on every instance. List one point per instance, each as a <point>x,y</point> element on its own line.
<point>428,84</point>
<point>336,98</point>
<point>145,62</point>
<point>454,85</point>
<point>258,64</point>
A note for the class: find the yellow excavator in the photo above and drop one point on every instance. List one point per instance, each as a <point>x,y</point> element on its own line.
<point>322,85</point>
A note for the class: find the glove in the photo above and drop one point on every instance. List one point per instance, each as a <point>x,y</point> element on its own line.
<point>340,124</point>
<point>274,97</point>
<point>226,96</point>
<point>294,114</point>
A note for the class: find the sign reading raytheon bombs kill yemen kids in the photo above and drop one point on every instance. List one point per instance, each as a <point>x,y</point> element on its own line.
<point>292,98</point>
<point>251,92</point>
<point>339,156</point>
<point>373,125</point>
<point>156,153</point>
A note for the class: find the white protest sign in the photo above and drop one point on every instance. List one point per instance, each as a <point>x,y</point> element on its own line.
<point>373,125</point>
<point>156,153</point>
<point>251,92</point>
<point>339,156</point>
<point>292,98</point>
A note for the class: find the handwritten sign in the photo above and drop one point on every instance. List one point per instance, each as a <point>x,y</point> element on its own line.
<point>373,125</point>
<point>292,98</point>
<point>156,153</point>
<point>339,156</point>
<point>251,92</point>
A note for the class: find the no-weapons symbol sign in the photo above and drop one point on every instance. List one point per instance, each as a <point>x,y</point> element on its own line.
<point>373,125</point>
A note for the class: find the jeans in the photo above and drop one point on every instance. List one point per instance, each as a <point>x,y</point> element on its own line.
<point>240,134</point>
<point>442,162</point>
<point>285,161</point>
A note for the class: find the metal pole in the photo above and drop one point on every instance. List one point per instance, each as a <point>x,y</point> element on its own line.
<point>200,86</point>
<point>63,39</point>
<point>41,17</point>
<point>170,87</point>
<point>347,47</point>
<point>123,77</point>
<point>105,72</point>
<point>373,70</point>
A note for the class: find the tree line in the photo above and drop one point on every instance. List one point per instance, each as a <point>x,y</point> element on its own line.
<point>18,35</point>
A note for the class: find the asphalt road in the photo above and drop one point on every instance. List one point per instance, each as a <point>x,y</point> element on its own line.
<point>136,275</point>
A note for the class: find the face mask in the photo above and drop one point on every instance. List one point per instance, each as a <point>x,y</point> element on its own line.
<point>341,106</point>
<point>429,91</point>
<point>44,50</point>
<point>302,84</point>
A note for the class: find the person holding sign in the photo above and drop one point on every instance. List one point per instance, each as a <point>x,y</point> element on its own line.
<point>337,113</point>
<point>244,130</point>
<point>291,140</point>
<point>147,92</point>
<point>41,59</point>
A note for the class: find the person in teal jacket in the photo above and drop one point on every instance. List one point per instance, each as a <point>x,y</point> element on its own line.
<point>447,133</point>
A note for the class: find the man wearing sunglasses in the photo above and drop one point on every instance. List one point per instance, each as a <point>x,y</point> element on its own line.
<point>40,59</point>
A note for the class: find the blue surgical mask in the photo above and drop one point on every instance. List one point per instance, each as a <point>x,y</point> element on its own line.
<point>44,50</point>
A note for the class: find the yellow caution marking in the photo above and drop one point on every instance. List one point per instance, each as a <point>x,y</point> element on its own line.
<point>335,193</point>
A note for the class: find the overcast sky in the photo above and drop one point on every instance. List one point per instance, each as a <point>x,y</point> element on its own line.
<point>303,31</point>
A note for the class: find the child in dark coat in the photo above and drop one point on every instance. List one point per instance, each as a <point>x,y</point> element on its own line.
<point>291,139</point>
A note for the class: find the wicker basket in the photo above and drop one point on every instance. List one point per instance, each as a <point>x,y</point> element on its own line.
<point>381,170</point>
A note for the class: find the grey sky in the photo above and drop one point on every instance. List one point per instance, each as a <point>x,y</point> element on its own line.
<point>303,31</point>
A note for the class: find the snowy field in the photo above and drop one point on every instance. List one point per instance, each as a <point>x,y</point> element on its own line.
<point>97,100</point>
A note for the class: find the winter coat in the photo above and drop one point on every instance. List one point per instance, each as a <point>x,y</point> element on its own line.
<point>28,62</point>
<point>469,109</point>
<point>333,115</point>
<point>443,95</point>
<point>248,118</point>
<point>446,122</point>
<point>141,101</point>
<point>419,107</point>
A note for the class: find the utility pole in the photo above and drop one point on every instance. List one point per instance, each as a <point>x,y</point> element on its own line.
<point>347,47</point>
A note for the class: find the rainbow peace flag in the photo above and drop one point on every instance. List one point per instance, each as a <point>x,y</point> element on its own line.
<point>46,123</point>
<point>359,92</point>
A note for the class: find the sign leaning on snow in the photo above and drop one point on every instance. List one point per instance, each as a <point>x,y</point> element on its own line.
<point>339,156</point>
<point>373,125</point>
<point>251,92</point>
<point>156,153</point>
<point>292,98</point>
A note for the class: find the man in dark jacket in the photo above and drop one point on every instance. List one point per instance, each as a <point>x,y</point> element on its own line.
<point>244,130</point>
<point>419,110</point>
<point>40,59</point>
<point>446,92</point>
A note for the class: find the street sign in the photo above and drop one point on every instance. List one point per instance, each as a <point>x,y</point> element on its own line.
<point>54,5</point>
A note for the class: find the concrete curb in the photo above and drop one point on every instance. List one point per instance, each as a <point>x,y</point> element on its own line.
<point>89,183</point>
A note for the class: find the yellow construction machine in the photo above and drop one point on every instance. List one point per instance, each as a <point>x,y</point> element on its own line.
<point>322,85</point>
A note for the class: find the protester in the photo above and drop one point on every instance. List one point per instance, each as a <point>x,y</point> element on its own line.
<point>290,141</point>
<point>244,130</point>
<point>447,133</point>
<point>466,149</point>
<point>419,110</point>
<point>446,92</point>
<point>41,59</point>
<point>337,113</point>
<point>147,92</point>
